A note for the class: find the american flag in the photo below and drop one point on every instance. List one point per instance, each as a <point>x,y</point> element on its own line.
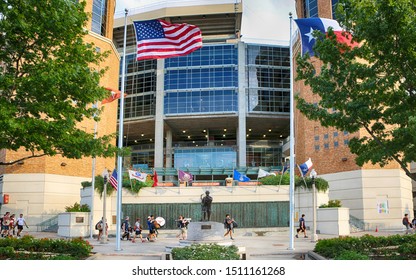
<point>160,39</point>
<point>113,179</point>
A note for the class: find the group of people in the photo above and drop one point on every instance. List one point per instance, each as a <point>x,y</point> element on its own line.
<point>410,225</point>
<point>132,232</point>
<point>9,222</point>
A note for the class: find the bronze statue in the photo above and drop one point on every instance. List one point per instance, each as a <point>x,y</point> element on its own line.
<point>206,205</point>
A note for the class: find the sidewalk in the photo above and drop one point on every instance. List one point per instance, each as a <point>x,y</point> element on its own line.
<point>259,244</point>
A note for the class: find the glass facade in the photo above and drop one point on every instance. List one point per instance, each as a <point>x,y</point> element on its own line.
<point>206,158</point>
<point>310,8</point>
<point>140,85</point>
<point>99,17</point>
<point>268,76</point>
<point>334,4</point>
<point>206,81</point>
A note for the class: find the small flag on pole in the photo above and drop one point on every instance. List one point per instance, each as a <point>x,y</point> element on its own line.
<point>155,181</point>
<point>113,179</point>
<point>185,176</point>
<point>305,167</point>
<point>263,173</point>
<point>240,177</point>
<point>137,175</point>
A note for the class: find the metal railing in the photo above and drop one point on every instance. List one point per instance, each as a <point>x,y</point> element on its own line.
<point>358,225</point>
<point>50,224</point>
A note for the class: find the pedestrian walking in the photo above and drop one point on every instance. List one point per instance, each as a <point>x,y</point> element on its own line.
<point>126,228</point>
<point>5,222</point>
<point>229,225</point>
<point>183,228</point>
<point>302,227</point>
<point>100,227</point>
<point>406,223</point>
<point>12,225</point>
<point>137,231</point>
<point>20,222</point>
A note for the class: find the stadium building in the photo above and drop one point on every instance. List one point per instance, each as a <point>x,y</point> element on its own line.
<point>221,107</point>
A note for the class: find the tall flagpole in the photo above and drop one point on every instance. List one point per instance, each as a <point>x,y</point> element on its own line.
<point>93,181</point>
<point>292,149</point>
<point>120,140</point>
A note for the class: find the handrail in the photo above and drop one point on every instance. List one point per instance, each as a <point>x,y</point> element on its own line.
<point>359,224</point>
<point>51,222</point>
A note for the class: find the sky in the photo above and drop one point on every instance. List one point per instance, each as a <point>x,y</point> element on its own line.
<point>264,21</point>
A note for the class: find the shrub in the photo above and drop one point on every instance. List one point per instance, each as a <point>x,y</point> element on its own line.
<point>392,247</point>
<point>78,208</point>
<point>31,248</point>
<point>206,252</point>
<point>320,184</point>
<point>331,203</point>
<point>351,255</point>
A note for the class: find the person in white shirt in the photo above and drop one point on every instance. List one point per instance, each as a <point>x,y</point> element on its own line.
<point>20,222</point>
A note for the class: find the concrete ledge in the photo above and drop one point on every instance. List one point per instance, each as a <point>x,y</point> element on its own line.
<point>314,256</point>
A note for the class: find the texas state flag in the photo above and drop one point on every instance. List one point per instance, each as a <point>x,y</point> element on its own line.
<point>308,25</point>
<point>305,167</point>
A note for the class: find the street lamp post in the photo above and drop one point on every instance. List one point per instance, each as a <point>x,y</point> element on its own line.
<point>313,177</point>
<point>104,220</point>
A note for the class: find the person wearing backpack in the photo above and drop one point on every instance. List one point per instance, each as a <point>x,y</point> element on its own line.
<point>99,227</point>
<point>126,228</point>
<point>229,225</point>
<point>406,223</point>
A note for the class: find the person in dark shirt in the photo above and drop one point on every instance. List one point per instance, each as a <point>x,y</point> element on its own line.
<point>302,227</point>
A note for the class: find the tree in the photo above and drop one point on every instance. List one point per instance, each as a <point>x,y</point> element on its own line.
<point>370,87</point>
<point>49,79</point>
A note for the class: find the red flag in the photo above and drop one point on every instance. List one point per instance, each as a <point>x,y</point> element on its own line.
<point>154,179</point>
<point>160,39</point>
<point>115,94</point>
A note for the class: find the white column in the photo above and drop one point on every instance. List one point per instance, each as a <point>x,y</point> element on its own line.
<point>242,106</point>
<point>159,114</point>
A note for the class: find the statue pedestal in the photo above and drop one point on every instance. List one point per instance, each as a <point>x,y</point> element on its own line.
<point>204,233</point>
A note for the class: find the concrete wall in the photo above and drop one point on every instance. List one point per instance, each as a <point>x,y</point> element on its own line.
<point>73,224</point>
<point>378,197</point>
<point>333,221</point>
<point>40,197</point>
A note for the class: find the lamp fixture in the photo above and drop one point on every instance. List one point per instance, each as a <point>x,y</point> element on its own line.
<point>63,163</point>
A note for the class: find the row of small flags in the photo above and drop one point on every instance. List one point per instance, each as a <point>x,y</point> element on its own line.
<point>133,175</point>
<point>303,169</point>
<point>188,177</point>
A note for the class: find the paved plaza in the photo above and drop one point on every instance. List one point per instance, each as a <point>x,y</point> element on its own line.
<point>259,244</point>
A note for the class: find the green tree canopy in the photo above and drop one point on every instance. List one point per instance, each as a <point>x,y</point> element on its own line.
<point>371,87</point>
<point>49,79</point>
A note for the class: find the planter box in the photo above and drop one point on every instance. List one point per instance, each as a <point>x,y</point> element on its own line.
<point>333,221</point>
<point>73,224</point>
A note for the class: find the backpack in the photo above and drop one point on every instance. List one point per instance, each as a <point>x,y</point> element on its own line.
<point>404,221</point>
<point>98,226</point>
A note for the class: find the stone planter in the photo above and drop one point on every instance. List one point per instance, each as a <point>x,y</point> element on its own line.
<point>73,224</point>
<point>333,221</point>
